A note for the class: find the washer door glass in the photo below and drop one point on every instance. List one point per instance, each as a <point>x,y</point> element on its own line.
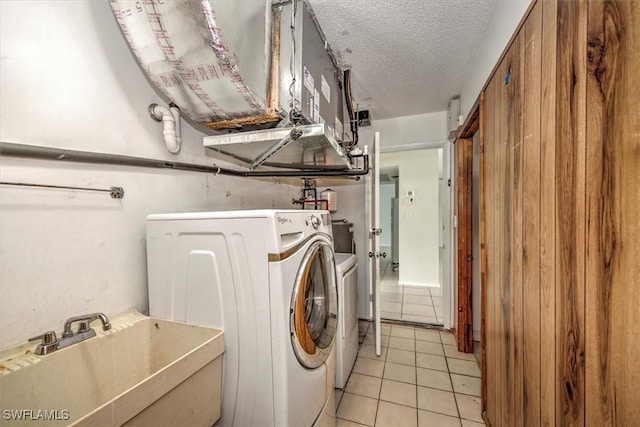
<point>314,306</point>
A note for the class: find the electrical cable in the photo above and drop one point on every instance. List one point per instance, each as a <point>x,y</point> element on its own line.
<point>294,114</point>
<point>353,120</point>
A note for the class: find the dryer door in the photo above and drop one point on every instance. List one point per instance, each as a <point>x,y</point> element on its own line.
<point>314,306</point>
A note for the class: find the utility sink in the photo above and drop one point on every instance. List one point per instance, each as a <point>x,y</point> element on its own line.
<point>144,371</point>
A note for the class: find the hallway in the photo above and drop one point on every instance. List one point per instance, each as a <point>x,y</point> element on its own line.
<point>409,303</point>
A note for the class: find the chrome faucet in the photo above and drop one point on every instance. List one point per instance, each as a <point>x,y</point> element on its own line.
<point>50,343</point>
<point>85,320</point>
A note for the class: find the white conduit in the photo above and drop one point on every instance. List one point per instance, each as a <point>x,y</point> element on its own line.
<point>170,117</point>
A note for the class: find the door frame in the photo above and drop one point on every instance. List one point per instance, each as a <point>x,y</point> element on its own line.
<point>473,125</point>
<point>447,147</point>
<point>463,246</point>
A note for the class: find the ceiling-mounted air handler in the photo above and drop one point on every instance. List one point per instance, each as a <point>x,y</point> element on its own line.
<point>247,67</point>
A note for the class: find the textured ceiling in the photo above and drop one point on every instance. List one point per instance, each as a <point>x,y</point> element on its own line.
<point>407,56</point>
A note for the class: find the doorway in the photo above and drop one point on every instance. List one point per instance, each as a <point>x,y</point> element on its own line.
<point>389,177</point>
<point>412,205</point>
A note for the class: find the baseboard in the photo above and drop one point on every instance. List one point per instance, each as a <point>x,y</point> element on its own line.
<point>420,285</point>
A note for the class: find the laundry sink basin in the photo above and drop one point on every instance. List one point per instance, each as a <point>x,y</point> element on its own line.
<point>144,371</point>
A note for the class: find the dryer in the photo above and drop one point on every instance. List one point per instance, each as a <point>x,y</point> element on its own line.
<point>347,336</point>
<point>267,278</point>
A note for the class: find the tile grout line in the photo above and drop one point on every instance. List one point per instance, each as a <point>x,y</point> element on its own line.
<point>451,380</point>
<point>415,366</point>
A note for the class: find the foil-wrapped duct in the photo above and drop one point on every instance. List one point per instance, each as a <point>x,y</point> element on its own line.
<point>213,58</point>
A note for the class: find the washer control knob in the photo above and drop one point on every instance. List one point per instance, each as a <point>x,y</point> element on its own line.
<point>314,221</point>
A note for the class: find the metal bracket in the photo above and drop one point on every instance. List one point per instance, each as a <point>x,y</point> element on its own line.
<point>294,135</point>
<point>117,192</point>
<point>376,231</point>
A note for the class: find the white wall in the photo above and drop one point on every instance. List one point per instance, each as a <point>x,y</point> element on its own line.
<point>447,237</point>
<point>418,216</point>
<point>387,191</point>
<point>408,132</point>
<point>69,80</point>
<point>506,17</point>
<point>442,190</point>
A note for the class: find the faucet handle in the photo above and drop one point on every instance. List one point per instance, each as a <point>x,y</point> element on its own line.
<point>48,337</point>
<point>84,326</point>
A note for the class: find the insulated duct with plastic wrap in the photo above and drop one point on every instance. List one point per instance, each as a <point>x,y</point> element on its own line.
<point>245,66</point>
<point>212,58</point>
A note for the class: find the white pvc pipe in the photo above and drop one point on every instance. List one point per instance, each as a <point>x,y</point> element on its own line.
<point>176,116</point>
<point>171,130</point>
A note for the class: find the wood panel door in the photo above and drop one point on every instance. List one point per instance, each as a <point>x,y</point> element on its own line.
<point>490,331</point>
<point>561,115</point>
<point>613,208</point>
<point>513,250</point>
<point>548,214</point>
<point>531,218</point>
<point>570,212</point>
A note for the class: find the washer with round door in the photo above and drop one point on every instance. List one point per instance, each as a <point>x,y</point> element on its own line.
<point>267,279</point>
<point>313,306</point>
<point>309,302</point>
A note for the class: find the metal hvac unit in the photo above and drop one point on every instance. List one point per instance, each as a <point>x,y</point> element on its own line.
<point>310,88</point>
<point>317,88</point>
<point>260,75</point>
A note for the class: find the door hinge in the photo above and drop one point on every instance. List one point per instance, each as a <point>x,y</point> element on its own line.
<point>449,182</point>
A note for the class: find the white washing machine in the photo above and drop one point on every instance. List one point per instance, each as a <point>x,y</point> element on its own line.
<point>347,337</point>
<point>266,278</point>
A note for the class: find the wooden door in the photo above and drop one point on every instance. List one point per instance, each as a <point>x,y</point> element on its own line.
<point>570,213</point>
<point>613,211</point>
<point>561,115</point>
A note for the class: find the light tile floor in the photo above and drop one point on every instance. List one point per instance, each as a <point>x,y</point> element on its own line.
<point>409,303</point>
<point>420,380</point>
